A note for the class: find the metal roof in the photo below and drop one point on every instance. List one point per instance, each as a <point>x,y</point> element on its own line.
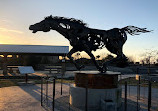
<point>33,49</point>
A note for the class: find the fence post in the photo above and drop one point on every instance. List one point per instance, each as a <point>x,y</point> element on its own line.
<point>125,96</point>
<point>47,89</point>
<point>53,93</point>
<point>50,71</point>
<point>149,96</point>
<point>69,96</point>
<point>26,78</point>
<point>137,94</point>
<point>62,73</point>
<point>41,91</point>
<point>139,88</point>
<point>86,99</point>
<point>62,84</point>
<point>137,70</point>
<point>129,86</point>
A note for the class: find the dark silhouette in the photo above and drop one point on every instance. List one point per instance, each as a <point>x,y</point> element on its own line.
<point>83,38</point>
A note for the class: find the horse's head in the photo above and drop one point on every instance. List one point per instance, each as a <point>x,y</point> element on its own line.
<point>44,26</point>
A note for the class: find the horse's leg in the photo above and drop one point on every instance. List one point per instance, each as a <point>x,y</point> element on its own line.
<point>120,54</point>
<point>120,57</point>
<point>69,55</point>
<point>88,51</point>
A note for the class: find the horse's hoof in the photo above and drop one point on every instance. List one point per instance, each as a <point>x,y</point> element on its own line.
<point>102,69</point>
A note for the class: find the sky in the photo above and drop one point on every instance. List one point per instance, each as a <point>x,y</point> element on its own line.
<point>17,15</point>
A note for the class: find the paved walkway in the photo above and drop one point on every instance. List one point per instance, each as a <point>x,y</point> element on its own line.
<point>132,95</point>
<point>28,98</point>
<point>23,98</point>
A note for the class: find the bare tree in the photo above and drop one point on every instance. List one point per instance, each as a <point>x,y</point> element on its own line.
<point>150,56</point>
<point>108,57</point>
<point>130,59</point>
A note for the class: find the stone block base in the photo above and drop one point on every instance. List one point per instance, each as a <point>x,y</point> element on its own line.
<point>95,96</point>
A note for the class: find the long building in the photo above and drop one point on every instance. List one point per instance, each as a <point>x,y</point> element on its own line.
<point>39,50</point>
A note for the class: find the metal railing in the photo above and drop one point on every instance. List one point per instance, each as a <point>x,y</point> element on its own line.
<point>47,101</point>
<point>140,91</point>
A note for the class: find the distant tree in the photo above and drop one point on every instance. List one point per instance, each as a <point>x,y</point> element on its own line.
<point>118,63</point>
<point>77,55</point>
<point>122,63</point>
<point>97,57</point>
<point>108,57</point>
<point>130,59</point>
<point>150,56</point>
<point>156,62</point>
<point>142,62</point>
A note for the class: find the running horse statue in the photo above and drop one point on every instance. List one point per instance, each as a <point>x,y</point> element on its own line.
<point>83,38</point>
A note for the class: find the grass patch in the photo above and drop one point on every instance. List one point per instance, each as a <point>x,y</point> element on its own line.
<point>7,83</point>
<point>65,81</point>
<point>132,81</point>
<point>14,82</point>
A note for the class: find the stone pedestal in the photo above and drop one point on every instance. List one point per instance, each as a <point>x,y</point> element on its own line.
<point>96,80</point>
<point>101,87</point>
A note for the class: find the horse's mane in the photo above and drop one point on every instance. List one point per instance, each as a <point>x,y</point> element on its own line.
<point>67,19</point>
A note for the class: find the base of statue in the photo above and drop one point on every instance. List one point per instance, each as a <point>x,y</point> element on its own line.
<point>102,87</point>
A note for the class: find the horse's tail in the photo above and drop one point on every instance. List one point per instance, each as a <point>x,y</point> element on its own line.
<point>132,30</point>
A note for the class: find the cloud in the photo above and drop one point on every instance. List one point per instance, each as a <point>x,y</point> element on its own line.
<point>9,30</point>
<point>5,21</point>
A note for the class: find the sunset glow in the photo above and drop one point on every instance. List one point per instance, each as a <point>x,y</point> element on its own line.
<point>17,16</point>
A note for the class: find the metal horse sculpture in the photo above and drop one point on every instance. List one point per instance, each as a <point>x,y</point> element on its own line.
<point>83,38</point>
